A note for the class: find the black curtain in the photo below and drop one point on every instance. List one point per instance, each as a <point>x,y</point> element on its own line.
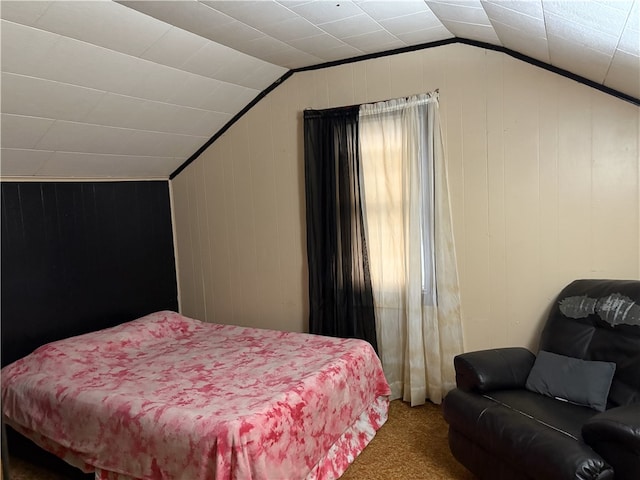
<point>340,294</point>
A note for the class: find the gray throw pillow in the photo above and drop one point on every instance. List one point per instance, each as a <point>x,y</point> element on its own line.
<point>570,379</point>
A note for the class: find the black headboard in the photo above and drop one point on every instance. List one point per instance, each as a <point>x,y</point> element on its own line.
<point>81,256</point>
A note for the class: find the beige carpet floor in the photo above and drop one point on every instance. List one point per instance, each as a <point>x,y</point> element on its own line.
<point>412,445</point>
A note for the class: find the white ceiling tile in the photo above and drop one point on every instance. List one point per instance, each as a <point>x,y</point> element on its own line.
<point>578,33</point>
<point>522,41</point>
<point>291,29</point>
<point>261,48</point>
<point>465,12</point>
<point>162,117</point>
<point>104,23</point>
<point>174,47</point>
<point>24,49</point>
<point>129,112</point>
<point>44,98</point>
<point>227,6</point>
<point>222,63</point>
<point>92,165</point>
<point>235,34</point>
<point>194,92</point>
<point>630,39</point>
<point>634,14</point>
<point>18,131</point>
<point>209,59</point>
<point>531,8</point>
<point>624,74</point>
<point>575,58</point>
<point>291,3</point>
<point>323,12</point>
<point>374,41</point>
<point>481,33</point>
<point>425,36</point>
<point>22,163</point>
<point>78,63</point>
<point>189,15</point>
<point>623,5</point>
<point>23,12</point>
<point>292,58</point>
<point>162,144</point>
<point>340,53</point>
<point>212,122</point>
<point>160,82</point>
<point>254,13</point>
<point>596,16</point>
<point>115,110</point>
<point>514,19</point>
<point>81,137</point>
<point>411,23</point>
<point>229,98</point>
<point>261,76</point>
<point>317,44</point>
<point>352,26</point>
<point>382,10</point>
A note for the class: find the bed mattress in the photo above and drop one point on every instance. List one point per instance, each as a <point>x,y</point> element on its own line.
<point>169,397</point>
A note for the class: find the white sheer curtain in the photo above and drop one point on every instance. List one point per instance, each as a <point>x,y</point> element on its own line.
<point>410,243</point>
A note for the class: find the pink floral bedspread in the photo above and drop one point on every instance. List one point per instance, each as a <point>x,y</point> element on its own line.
<point>169,397</point>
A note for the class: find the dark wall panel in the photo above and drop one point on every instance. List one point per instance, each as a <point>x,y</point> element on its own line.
<point>77,257</point>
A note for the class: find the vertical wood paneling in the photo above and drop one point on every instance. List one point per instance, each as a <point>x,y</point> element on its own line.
<point>574,188</point>
<point>203,234</point>
<point>289,176</point>
<point>267,218</point>
<point>614,183</point>
<point>433,65</point>
<point>551,280</point>
<point>222,219</point>
<point>521,195</point>
<point>340,86</point>
<point>474,163</point>
<point>378,83</point>
<point>455,74</point>
<point>320,92</point>
<point>81,256</point>
<point>496,255</point>
<point>544,182</point>
<point>360,91</point>
<point>216,236</point>
<point>195,224</point>
<point>243,274</point>
<point>403,80</point>
<point>185,258</point>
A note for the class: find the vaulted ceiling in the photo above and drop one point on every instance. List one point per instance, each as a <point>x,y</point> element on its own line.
<point>131,89</point>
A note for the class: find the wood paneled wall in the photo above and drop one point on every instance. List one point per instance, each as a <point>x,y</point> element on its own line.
<point>80,256</point>
<point>544,180</point>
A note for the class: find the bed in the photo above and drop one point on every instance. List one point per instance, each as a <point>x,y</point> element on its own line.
<point>169,397</point>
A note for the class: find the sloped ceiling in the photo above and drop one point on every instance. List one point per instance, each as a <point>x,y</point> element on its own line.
<point>131,89</point>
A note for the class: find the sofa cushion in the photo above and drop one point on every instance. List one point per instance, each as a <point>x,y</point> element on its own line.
<point>543,452</point>
<point>462,410</point>
<point>570,379</point>
<point>564,417</point>
<point>526,443</point>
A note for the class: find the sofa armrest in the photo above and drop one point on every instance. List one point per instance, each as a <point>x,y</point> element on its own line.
<point>615,435</point>
<point>496,369</point>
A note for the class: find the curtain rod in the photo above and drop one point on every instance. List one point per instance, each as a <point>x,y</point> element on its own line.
<point>357,105</point>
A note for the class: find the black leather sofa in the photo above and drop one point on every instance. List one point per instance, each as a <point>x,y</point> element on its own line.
<point>510,418</point>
